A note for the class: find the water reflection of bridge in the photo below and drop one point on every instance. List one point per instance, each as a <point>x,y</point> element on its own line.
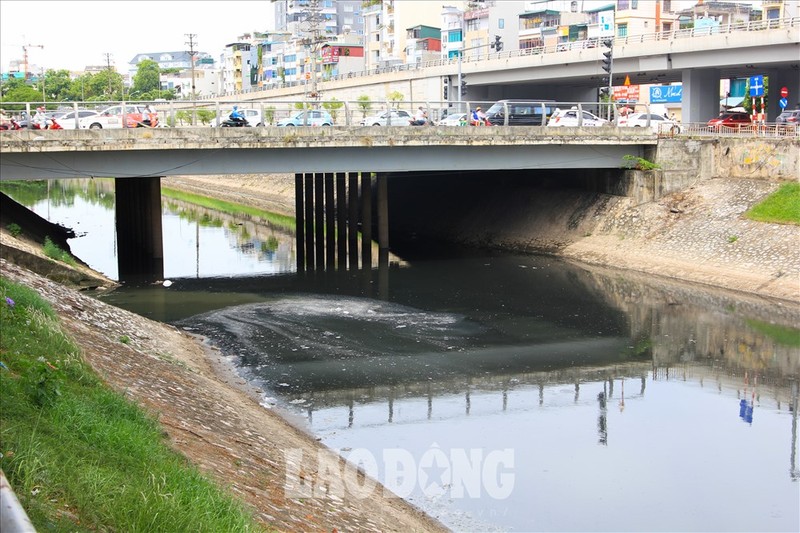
<point>521,390</point>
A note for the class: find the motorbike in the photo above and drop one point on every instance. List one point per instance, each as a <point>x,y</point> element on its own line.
<point>234,122</point>
<point>49,124</point>
<point>10,125</point>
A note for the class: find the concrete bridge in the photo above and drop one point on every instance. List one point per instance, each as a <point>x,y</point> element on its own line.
<point>198,151</point>
<point>341,172</point>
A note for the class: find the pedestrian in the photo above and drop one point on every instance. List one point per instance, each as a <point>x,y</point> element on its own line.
<point>146,116</point>
<point>39,119</point>
<point>420,117</point>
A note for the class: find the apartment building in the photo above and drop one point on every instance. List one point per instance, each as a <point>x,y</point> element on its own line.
<point>386,24</point>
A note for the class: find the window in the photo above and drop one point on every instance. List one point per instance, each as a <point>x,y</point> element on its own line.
<point>454,37</point>
<point>622,30</point>
<point>623,4</point>
<point>501,24</point>
<point>667,6</point>
<point>773,14</point>
<point>634,4</point>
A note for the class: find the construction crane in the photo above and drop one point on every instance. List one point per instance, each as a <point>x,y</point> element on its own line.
<point>25,57</point>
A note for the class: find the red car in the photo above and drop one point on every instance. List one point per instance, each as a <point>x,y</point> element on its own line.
<point>731,120</point>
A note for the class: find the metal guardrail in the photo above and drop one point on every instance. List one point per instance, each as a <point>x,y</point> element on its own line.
<point>13,518</point>
<point>205,113</point>
<point>771,129</point>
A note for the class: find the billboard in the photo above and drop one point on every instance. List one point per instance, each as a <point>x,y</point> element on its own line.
<point>666,94</point>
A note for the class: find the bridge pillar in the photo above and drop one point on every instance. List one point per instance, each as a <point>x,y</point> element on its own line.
<point>309,218</point>
<point>352,220</point>
<point>383,216</point>
<point>300,223</point>
<point>700,95</point>
<point>319,219</point>
<point>366,220</point>
<point>330,223</point>
<point>341,221</point>
<point>328,211</point>
<point>140,245</point>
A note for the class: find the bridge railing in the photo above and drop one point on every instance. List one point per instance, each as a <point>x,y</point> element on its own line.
<point>353,113</point>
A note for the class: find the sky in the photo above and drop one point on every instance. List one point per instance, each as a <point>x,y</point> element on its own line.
<point>75,34</point>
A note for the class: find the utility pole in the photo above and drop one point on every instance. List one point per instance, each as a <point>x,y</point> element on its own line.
<point>313,17</point>
<point>192,52</point>
<point>108,67</point>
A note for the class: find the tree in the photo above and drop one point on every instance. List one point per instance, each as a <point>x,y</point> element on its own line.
<point>16,90</point>
<point>147,77</point>
<point>100,82</point>
<point>57,85</point>
<point>269,114</point>
<point>332,107</point>
<point>395,97</point>
<point>365,104</point>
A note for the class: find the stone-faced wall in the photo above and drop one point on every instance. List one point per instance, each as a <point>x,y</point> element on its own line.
<point>686,161</point>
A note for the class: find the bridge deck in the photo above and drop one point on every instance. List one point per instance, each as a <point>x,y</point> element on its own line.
<point>187,151</point>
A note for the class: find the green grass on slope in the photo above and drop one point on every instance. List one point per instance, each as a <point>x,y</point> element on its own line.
<point>81,457</point>
<point>781,207</point>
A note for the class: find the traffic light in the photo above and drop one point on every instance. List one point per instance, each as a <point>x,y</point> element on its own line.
<point>463,86</point>
<point>445,92</point>
<point>607,58</point>
<point>497,45</point>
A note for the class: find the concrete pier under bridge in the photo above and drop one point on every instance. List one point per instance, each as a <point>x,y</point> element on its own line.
<point>331,209</point>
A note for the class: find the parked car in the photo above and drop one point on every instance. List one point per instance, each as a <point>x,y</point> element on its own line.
<point>658,123</point>
<point>520,112</point>
<point>730,119</point>
<point>67,120</point>
<point>397,117</point>
<point>252,116</point>
<point>312,117</point>
<point>456,119</point>
<point>111,117</point>
<point>789,117</point>
<point>569,118</point>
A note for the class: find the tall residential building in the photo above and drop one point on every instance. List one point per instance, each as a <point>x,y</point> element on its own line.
<point>236,67</point>
<point>385,28</point>
<point>337,16</point>
<point>482,21</point>
<point>639,17</point>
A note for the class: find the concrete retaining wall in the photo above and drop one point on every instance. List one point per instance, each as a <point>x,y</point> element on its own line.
<point>686,161</point>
